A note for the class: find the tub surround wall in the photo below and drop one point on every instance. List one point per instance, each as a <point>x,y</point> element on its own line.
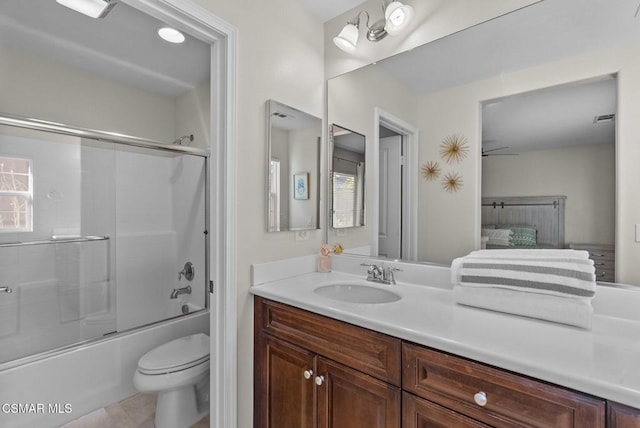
<point>159,227</point>
<point>148,203</point>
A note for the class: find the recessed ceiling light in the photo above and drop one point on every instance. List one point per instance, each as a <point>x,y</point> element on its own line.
<point>171,35</point>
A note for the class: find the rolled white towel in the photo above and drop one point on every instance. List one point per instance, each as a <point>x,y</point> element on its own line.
<point>571,311</point>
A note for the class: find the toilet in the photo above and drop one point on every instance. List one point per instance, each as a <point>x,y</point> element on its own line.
<point>178,372</point>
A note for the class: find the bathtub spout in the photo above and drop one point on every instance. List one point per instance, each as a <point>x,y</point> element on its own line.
<point>178,291</point>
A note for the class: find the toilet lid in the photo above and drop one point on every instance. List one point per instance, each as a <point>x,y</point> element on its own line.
<point>179,354</point>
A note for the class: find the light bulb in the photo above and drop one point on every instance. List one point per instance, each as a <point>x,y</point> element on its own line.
<point>397,17</point>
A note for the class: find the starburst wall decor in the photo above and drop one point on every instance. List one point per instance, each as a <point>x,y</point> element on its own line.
<point>431,170</point>
<point>452,182</point>
<point>454,148</point>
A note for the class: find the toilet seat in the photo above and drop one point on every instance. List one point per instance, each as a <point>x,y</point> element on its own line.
<point>177,355</point>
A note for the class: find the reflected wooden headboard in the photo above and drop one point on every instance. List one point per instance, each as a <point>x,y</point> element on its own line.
<point>546,213</point>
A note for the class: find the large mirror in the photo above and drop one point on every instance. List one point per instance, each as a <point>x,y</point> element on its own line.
<point>293,180</point>
<point>348,149</point>
<point>439,99</point>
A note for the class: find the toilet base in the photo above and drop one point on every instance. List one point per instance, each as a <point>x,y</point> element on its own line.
<point>178,408</point>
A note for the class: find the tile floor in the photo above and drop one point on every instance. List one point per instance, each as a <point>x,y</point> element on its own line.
<point>137,411</point>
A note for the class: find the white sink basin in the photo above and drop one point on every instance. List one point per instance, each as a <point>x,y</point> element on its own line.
<point>353,292</point>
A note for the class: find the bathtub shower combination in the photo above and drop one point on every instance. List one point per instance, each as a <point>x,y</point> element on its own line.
<point>99,234</point>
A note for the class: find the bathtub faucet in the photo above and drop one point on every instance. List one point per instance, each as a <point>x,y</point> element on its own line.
<point>178,291</point>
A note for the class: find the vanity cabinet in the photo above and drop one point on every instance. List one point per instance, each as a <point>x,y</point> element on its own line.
<point>313,371</point>
<point>317,372</point>
<point>493,396</point>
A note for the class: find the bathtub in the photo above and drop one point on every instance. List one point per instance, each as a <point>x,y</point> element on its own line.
<point>55,390</point>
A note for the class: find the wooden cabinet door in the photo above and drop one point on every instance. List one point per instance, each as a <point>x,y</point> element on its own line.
<point>621,416</point>
<point>351,399</point>
<point>284,397</point>
<point>419,413</point>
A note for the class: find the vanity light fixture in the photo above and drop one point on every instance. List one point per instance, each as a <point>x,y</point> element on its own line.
<point>396,17</point>
<point>91,8</point>
<point>171,35</point>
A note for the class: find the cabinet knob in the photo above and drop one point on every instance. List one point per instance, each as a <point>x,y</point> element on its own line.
<point>480,398</point>
<point>307,374</point>
<point>319,380</point>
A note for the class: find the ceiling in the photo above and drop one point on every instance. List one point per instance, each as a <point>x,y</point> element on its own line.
<point>558,117</point>
<point>329,9</point>
<point>123,46</point>
<point>552,118</point>
<point>543,32</point>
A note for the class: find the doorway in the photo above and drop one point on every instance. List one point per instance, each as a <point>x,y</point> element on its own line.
<point>396,179</point>
<point>390,194</point>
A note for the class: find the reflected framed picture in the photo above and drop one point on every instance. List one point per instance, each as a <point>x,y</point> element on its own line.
<point>301,185</point>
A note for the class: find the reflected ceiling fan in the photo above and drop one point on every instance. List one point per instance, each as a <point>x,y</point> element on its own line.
<point>490,152</point>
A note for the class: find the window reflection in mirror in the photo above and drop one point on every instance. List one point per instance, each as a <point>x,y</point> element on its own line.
<point>347,178</point>
<point>293,179</point>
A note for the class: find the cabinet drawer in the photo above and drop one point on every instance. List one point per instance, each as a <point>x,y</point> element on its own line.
<point>605,275</point>
<point>604,264</point>
<point>511,400</point>
<point>420,413</point>
<point>597,255</point>
<point>373,353</point>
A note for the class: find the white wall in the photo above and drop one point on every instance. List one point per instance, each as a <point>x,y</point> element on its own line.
<point>280,48</point>
<point>193,113</point>
<point>584,174</point>
<point>304,152</point>
<point>431,20</point>
<point>280,57</point>
<point>34,87</point>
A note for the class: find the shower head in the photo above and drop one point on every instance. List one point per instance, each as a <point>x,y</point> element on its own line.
<point>181,141</point>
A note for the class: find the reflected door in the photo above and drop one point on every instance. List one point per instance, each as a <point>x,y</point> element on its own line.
<point>390,193</point>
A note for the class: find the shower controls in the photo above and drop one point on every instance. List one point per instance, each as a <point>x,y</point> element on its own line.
<point>6,290</point>
<point>188,272</point>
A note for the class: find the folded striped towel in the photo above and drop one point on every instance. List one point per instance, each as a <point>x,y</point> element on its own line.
<point>567,273</point>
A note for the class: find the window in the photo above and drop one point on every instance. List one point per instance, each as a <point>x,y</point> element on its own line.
<point>274,195</point>
<point>16,195</point>
<point>344,199</point>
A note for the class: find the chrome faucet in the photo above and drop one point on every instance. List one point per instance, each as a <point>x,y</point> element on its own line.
<point>383,275</point>
<point>178,291</point>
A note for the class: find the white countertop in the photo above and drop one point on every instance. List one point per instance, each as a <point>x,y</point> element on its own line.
<point>604,361</point>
